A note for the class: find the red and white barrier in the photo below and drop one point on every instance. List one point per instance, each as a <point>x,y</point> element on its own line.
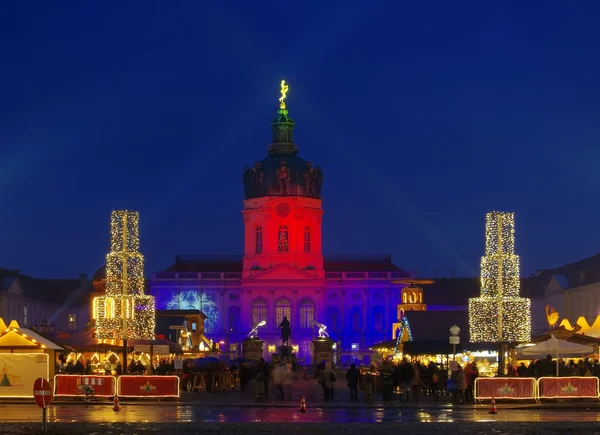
<point>506,388</point>
<point>148,386</point>
<point>568,388</point>
<point>82,385</point>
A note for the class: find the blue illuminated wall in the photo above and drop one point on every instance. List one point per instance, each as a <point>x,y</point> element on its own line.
<point>193,300</point>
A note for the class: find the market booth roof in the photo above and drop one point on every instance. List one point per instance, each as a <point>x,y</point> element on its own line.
<point>20,338</point>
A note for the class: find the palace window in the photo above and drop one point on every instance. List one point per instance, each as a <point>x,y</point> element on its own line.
<point>233,296</point>
<point>25,315</point>
<point>258,240</point>
<point>355,320</point>
<point>307,313</point>
<point>306,239</point>
<point>282,239</point>
<point>283,308</point>
<point>378,319</point>
<point>259,310</point>
<point>333,318</point>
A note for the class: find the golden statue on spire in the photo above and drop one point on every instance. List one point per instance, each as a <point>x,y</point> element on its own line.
<point>284,89</point>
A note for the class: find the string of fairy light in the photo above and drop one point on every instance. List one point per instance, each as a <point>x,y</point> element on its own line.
<point>500,314</point>
<point>124,311</point>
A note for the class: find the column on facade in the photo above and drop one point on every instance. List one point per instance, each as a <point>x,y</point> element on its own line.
<point>249,319</point>
<point>386,315</point>
<point>342,309</point>
<point>366,309</point>
<point>273,311</point>
<point>295,310</point>
<point>224,311</point>
<point>319,302</point>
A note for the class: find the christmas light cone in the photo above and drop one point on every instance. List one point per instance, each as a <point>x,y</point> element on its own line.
<point>302,404</point>
<point>493,409</point>
<point>116,405</point>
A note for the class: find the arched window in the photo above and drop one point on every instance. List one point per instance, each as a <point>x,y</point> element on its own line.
<point>404,298</point>
<point>259,310</point>
<point>378,319</point>
<point>333,316</point>
<point>258,240</point>
<point>356,319</point>
<point>283,308</point>
<point>307,239</point>
<point>307,313</point>
<point>282,239</point>
<point>109,308</point>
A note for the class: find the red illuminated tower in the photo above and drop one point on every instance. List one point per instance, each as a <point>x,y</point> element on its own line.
<point>283,208</point>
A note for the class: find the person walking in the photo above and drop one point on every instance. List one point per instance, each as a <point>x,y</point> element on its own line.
<point>353,378</point>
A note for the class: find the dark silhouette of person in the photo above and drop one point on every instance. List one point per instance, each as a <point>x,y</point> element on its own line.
<point>286,331</point>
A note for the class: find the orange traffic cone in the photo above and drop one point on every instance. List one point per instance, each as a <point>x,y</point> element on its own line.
<point>116,406</point>
<point>302,404</point>
<point>493,409</point>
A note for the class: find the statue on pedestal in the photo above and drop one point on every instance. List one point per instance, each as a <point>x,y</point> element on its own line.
<point>286,331</point>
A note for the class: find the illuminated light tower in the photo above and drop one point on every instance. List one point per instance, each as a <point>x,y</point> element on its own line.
<point>124,312</point>
<point>499,315</point>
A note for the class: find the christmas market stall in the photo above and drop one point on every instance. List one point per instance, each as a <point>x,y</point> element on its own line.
<point>24,356</point>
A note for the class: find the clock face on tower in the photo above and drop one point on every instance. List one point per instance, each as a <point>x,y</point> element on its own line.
<point>283,209</point>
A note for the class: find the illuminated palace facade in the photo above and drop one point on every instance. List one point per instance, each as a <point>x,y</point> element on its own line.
<point>283,271</point>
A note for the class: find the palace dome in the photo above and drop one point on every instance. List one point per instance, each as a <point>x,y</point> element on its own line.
<point>282,172</point>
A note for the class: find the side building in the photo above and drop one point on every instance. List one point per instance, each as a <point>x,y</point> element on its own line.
<point>60,305</point>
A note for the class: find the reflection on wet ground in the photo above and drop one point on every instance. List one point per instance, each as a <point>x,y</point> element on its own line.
<point>185,413</point>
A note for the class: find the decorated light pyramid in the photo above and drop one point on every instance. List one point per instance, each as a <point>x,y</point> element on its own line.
<point>125,311</point>
<point>499,314</point>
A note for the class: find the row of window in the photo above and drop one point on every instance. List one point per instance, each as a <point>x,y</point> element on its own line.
<point>283,308</point>
<point>283,239</point>
<point>377,296</point>
<point>37,312</point>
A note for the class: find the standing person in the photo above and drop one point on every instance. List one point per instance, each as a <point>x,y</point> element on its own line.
<point>329,377</point>
<point>472,373</point>
<point>407,373</point>
<point>320,375</point>
<point>278,375</point>
<point>461,385</point>
<point>386,374</point>
<point>288,380</point>
<point>263,368</point>
<point>353,378</point>
<point>416,382</point>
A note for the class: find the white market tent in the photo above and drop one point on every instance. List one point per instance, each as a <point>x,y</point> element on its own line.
<point>557,348</point>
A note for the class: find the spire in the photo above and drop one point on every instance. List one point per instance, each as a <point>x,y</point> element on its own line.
<point>283,127</point>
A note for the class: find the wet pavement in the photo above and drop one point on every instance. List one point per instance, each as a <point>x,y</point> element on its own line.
<point>131,413</point>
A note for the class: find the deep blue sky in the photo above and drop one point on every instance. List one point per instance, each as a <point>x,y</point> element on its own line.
<point>423,116</point>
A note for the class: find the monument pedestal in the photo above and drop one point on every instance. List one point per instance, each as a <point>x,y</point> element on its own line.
<point>323,350</point>
<point>252,349</point>
<point>285,352</point>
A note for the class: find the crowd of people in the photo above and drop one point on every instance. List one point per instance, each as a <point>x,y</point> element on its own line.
<point>547,367</point>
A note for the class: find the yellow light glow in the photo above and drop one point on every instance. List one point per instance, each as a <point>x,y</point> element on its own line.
<point>125,311</point>
<point>284,90</point>
<point>500,315</point>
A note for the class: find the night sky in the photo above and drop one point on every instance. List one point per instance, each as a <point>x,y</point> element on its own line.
<point>423,116</point>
